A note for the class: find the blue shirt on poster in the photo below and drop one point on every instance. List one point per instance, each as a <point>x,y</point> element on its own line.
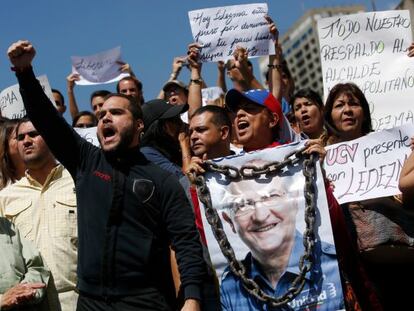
<point>285,106</point>
<point>322,290</point>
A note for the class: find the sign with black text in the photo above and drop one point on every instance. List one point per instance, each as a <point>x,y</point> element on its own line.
<point>103,67</point>
<point>220,30</point>
<point>370,50</point>
<point>368,167</point>
<point>11,102</point>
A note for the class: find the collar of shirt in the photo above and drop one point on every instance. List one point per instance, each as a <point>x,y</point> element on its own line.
<point>292,270</point>
<point>57,170</point>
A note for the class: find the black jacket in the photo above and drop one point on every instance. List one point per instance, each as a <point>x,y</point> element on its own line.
<point>120,256</point>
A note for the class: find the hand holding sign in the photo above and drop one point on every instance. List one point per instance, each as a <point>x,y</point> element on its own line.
<point>272,29</point>
<point>220,30</point>
<point>125,68</point>
<point>193,55</point>
<point>98,68</point>
<point>370,49</point>
<point>70,81</point>
<point>411,50</point>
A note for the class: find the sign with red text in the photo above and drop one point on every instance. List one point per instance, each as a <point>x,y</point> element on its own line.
<point>370,50</point>
<point>11,102</point>
<point>368,167</point>
<point>99,68</point>
<point>220,30</point>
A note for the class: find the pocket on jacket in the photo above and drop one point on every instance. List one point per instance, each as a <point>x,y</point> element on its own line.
<point>20,214</point>
<point>65,219</point>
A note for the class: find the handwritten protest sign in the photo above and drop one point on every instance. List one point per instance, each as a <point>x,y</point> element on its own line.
<point>370,49</point>
<point>368,167</point>
<point>11,102</point>
<point>89,134</point>
<point>211,95</point>
<point>264,221</point>
<point>99,68</point>
<point>220,30</point>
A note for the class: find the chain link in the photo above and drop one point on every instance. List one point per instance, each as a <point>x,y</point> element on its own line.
<point>252,172</point>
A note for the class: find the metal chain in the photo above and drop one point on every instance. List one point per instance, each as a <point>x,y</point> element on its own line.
<point>251,172</point>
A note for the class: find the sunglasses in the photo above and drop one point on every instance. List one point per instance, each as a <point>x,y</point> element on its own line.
<point>31,134</point>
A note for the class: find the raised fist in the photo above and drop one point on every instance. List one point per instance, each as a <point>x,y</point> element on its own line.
<point>21,54</point>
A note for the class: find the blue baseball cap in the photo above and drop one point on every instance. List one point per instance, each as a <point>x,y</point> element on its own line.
<point>258,96</point>
<point>263,98</point>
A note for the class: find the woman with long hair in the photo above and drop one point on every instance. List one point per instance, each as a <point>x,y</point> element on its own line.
<point>379,227</point>
<point>12,167</point>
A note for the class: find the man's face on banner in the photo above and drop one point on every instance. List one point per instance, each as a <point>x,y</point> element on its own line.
<point>262,215</point>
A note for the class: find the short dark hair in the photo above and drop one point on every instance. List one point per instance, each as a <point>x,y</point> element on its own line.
<point>220,115</point>
<point>84,113</point>
<point>60,94</point>
<point>349,89</point>
<point>137,83</point>
<point>99,93</point>
<point>21,121</point>
<point>134,107</point>
<point>308,94</point>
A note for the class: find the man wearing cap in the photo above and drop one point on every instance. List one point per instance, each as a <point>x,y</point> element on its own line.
<point>175,92</point>
<point>165,141</point>
<point>129,210</point>
<point>259,122</point>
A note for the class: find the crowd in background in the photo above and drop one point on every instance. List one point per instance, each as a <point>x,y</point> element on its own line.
<point>178,133</point>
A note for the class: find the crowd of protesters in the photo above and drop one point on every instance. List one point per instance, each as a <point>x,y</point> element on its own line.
<point>119,227</point>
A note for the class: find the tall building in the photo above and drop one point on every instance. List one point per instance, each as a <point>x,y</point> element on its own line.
<point>300,46</point>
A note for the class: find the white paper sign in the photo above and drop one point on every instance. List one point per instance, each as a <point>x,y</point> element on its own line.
<point>259,217</point>
<point>370,49</point>
<point>368,167</point>
<point>99,68</point>
<point>220,30</point>
<point>210,95</point>
<point>11,102</point>
<point>89,134</point>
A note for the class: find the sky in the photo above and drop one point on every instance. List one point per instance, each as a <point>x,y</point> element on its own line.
<point>150,33</point>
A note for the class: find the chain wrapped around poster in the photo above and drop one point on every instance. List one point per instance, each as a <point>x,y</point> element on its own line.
<point>268,231</point>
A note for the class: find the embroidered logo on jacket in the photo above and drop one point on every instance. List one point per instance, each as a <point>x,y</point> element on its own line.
<point>103,176</point>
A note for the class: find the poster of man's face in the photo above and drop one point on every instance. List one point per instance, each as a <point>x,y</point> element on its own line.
<point>263,217</point>
<point>264,220</point>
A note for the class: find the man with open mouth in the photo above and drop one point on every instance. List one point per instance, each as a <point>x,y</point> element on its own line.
<point>130,210</point>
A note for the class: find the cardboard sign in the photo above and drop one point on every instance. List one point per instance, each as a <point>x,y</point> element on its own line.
<point>89,134</point>
<point>368,167</point>
<point>370,50</point>
<point>98,68</point>
<point>11,102</point>
<point>220,30</point>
